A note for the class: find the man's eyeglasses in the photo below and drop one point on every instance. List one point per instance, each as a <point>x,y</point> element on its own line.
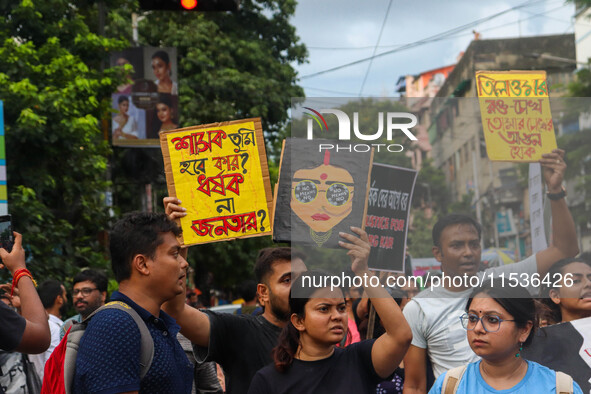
<point>337,194</point>
<point>490,323</point>
<point>85,291</point>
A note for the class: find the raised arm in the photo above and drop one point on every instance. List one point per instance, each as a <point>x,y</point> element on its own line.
<point>563,227</point>
<point>174,211</point>
<point>389,349</point>
<point>36,337</point>
<point>194,323</point>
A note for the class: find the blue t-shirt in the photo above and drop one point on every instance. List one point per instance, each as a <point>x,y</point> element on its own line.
<point>538,379</point>
<point>108,357</point>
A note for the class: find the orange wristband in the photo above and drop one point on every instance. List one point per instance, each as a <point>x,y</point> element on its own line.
<point>18,274</point>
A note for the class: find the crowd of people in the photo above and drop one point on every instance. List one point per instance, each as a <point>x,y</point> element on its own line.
<point>291,337</point>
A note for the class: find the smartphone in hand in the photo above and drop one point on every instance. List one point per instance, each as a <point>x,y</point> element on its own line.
<point>6,236</point>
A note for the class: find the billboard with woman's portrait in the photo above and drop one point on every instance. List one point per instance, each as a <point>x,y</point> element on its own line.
<point>147,102</point>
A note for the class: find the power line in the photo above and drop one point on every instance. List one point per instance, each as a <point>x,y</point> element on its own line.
<point>549,17</point>
<point>435,37</point>
<point>512,23</point>
<point>532,16</point>
<point>352,48</point>
<point>375,49</point>
<point>346,94</point>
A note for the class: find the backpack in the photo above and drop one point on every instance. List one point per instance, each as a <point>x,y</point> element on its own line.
<point>18,374</point>
<point>451,382</point>
<point>60,367</point>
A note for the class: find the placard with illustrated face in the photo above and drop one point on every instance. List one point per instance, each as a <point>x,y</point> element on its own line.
<point>319,193</point>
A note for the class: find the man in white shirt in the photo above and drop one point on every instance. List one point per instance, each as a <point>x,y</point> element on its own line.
<point>54,299</point>
<point>433,315</point>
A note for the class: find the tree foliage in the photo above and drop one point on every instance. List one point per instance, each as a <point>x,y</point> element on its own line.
<point>230,66</point>
<point>53,92</point>
<point>56,93</point>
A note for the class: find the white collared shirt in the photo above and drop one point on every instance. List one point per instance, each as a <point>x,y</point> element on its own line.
<point>55,323</point>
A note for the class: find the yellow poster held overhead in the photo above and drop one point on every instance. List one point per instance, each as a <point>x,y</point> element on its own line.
<point>516,117</point>
<point>219,171</point>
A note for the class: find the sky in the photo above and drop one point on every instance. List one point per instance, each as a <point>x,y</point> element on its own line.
<point>338,32</point>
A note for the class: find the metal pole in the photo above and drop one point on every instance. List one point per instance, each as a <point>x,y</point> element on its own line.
<point>134,34</point>
<point>476,187</point>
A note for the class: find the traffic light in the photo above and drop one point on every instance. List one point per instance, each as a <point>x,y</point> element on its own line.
<point>190,5</point>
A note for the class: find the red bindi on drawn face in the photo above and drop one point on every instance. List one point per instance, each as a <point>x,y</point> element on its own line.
<point>323,176</point>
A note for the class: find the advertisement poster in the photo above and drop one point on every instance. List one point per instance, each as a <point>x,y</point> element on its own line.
<point>319,194</point>
<point>219,171</point>
<point>148,103</point>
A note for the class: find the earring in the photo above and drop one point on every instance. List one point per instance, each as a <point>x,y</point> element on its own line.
<point>520,349</point>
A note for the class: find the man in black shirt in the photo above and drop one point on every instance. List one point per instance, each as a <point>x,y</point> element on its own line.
<point>241,344</point>
<point>28,333</point>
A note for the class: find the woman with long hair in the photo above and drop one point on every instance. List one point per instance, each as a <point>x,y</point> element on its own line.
<point>307,359</point>
<point>500,322</point>
<point>165,113</point>
<point>162,69</point>
<point>124,125</point>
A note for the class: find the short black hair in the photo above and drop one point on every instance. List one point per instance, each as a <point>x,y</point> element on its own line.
<point>267,257</point>
<point>48,292</point>
<point>137,233</point>
<point>98,278</point>
<point>122,99</point>
<point>449,220</point>
<point>515,300</point>
<point>247,290</point>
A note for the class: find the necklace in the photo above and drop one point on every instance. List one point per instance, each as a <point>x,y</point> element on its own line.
<point>320,238</point>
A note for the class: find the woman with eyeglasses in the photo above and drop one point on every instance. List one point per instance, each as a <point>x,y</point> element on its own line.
<point>500,321</point>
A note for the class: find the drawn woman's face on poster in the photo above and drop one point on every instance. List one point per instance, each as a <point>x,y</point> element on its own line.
<point>322,196</point>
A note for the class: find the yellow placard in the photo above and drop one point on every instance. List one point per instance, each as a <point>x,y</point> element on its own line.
<point>219,171</point>
<point>516,117</point>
